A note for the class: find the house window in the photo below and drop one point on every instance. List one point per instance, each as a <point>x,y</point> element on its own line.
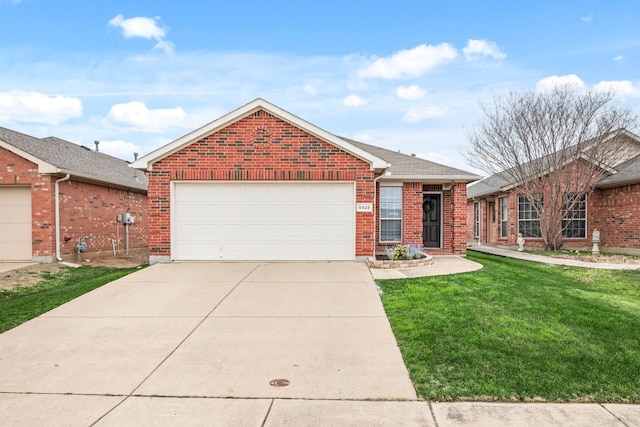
<point>476,208</point>
<point>574,222</point>
<point>528,219</point>
<point>390,214</point>
<point>504,217</point>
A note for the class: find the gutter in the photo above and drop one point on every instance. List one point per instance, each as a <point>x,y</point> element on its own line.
<point>431,178</point>
<point>57,213</point>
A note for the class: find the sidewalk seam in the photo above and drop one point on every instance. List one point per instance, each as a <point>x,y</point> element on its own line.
<point>266,416</point>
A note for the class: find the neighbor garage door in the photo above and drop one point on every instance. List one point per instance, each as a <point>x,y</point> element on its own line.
<point>263,221</point>
<point>15,223</point>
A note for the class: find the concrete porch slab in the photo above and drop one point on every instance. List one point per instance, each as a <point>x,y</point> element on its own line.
<point>323,358</point>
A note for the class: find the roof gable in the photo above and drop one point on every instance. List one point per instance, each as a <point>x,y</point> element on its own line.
<point>146,162</point>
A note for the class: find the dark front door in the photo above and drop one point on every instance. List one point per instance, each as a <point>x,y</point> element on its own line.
<point>431,220</point>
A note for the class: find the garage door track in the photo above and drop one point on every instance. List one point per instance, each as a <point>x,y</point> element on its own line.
<point>207,343</point>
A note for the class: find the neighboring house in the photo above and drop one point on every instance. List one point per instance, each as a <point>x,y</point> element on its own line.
<point>496,213</point>
<point>92,189</point>
<point>262,184</point>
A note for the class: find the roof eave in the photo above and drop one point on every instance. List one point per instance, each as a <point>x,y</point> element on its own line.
<point>620,183</point>
<point>432,178</point>
<point>146,162</point>
<point>100,181</point>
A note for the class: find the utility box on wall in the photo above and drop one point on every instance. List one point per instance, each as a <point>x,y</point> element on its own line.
<point>128,219</point>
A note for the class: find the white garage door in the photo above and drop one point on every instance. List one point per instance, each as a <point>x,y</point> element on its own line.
<point>15,223</point>
<point>263,221</point>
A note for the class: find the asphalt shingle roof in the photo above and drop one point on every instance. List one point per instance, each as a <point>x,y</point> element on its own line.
<point>406,165</point>
<point>628,172</point>
<point>75,159</point>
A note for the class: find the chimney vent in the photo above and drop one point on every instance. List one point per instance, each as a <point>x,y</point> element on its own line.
<point>97,144</point>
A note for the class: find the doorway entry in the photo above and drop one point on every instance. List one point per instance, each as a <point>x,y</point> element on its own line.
<point>432,220</point>
<point>491,222</point>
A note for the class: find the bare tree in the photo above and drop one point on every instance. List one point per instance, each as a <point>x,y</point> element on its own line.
<point>553,147</point>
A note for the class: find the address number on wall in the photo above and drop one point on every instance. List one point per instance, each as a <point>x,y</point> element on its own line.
<point>364,207</point>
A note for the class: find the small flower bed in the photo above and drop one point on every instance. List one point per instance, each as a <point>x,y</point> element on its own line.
<point>404,252</point>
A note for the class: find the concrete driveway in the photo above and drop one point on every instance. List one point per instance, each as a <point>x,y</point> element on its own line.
<point>200,343</point>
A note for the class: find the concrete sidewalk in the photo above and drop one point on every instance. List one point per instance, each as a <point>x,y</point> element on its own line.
<point>525,256</point>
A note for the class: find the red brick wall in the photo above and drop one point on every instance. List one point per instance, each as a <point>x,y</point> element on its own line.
<point>258,147</point>
<point>615,212</point>
<point>91,210</point>
<point>16,170</point>
<point>458,203</point>
<point>618,216</point>
<point>86,209</point>
<point>454,217</point>
<point>412,212</point>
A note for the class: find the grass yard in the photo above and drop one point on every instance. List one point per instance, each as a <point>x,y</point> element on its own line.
<point>520,331</point>
<point>18,306</point>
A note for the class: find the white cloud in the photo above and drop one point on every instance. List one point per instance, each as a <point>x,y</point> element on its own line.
<point>36,107</point>
<point>587,19</point>
<point>121,149</point>
<point>137,116</point>
<point>410,92</point>
<point>310,89</point>
<point>480,49</point>
<point>143,27</point>
<point>619,59</point>
<point>551,82</point>
<point>409,63</point>
<point>354,101</point>
<point>421,114</point>
<point>620,87</point>
<point>435,157</point>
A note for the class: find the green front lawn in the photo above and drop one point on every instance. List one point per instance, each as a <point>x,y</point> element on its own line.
<point>22,304</point>
<point>520,331</point>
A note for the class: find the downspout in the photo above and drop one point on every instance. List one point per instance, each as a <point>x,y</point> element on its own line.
<point>57,209</point>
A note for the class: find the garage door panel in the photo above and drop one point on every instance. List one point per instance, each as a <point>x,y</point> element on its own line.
<point>15,223</point>
<point>264,221</point>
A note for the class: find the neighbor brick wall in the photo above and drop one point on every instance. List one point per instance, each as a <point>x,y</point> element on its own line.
<point>86,209</point>
<point>91,210</point>
<point>618,216</point>
<point>16,170</point>
<point>614,211</point>
<point>260,147</point>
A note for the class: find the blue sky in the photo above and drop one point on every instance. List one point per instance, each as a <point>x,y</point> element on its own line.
<point>405,75</point>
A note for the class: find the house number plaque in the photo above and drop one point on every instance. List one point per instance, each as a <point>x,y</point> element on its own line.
<point>364,207</point>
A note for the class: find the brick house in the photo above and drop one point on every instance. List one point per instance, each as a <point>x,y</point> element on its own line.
<point>53,192</point>
<point>496,213</point>
<point>262,184</point>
